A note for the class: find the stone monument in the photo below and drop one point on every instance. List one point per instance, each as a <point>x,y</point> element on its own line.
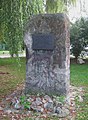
<point>48,54</point>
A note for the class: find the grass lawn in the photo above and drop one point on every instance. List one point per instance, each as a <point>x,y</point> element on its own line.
<point>12,73</point>
<point>79,77</point>
<point>79,74</point>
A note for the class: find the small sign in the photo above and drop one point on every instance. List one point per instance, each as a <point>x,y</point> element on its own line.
<point>43,42</point>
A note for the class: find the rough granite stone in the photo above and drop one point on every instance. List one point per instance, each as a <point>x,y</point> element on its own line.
<point>48,71</point>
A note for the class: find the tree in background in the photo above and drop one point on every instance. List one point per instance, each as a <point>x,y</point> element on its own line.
<point>79,36</point>
<point>15,13</point>
<point>56,6</point>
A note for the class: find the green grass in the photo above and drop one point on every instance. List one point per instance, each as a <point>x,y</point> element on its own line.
<point>82,108</point>
<point>12,73</point>
<point>79,74</point>
<point>79,77</point>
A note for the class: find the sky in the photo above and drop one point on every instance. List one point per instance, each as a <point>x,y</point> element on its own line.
<point>80,9</point>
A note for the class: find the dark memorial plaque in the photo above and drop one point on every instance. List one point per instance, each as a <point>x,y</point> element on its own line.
<point>43,42</point>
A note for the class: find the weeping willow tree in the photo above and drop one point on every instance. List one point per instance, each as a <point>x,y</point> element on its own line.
<point>14,14</point>
<point>54,6</point>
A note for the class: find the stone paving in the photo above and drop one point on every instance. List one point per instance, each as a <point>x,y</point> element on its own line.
<point>18,106</point>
